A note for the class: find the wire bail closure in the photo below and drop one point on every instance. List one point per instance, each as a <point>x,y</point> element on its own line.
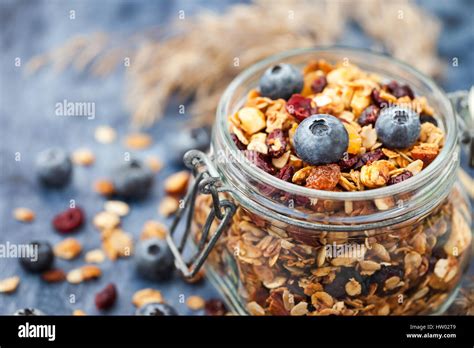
<point>206,181</point>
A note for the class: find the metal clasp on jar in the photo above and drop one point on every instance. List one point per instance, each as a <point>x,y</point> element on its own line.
<point>206,181</point>
<point>463,103</point>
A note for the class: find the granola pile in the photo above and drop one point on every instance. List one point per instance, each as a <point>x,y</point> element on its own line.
<point>265,127</point>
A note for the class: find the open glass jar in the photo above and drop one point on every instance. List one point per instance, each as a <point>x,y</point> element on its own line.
<point>274,248</point>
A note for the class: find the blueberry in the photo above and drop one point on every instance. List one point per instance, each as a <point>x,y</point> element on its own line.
<point>321,139</point>
<point>189,139</point>
<point>281,81</point>
<point>133,180</point>
<point>53,167</point>
<point>156,309</point>
<point>398,127</point>
<point>41,257</point>
<point>154,259</point>
<point>28,312</point>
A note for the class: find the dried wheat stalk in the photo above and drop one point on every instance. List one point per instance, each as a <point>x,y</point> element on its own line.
<point>198,59</point>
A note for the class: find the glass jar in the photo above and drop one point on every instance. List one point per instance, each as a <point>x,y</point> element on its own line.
<point>275,248</point>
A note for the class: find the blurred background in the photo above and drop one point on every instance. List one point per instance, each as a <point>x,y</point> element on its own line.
<point>158,68</point>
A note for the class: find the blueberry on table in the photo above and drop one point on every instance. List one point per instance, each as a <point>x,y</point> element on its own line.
<point>53,167</point>
<point>69,220</point>
<point>154,259</point>
<point>133,180</point>
<point>281,81</point>
<point>189,139</point>
<point>28,312</point>
<point>321,139</point>
<point>156,309</point>
<point>398,127</point>
<point>40,257</point>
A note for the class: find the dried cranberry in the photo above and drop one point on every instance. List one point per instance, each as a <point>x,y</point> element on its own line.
<point>369,157</point>
<point>427,118</point>
<point>319,84</point>
<point>237,142</point>
<point>400,91</point>
<point>260,160</point>
<point>286,173</point>
<point>300,107</point>
<point>348,162</point>
<point>400,177</point>
<point>369,115</point>
<point>276,143</point>
<point>105,298</point>
<point>215,307</point>
<point>69,220</point>
<point>379,102</point>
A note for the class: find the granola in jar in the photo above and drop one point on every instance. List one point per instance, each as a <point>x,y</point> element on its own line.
<point>346,198</point>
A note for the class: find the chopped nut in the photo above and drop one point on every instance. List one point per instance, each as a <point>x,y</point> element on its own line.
<point>24,214</point>
<point>148,295</point>
<point>95,256</point>
<point>195,303</point>
<point>117,207</point>
<point>177,183</point>
<point>168,206</point>
<point>90,272</point>
<point>104,187</point>
<point>53,276</point>
<point>83,157</point>
<point>9,285</point>
<point>117,244</point>
<point>425,152</point>
<point>87,272</point>
<point>251,120</point>
<point>105,134</point>
<point>106,220</point>
<point>154,229</point>
<point>257,143</point>
<point>78,312</point>
<point>75,276</point>
<point>68,249</point>
<point>138,141</point>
